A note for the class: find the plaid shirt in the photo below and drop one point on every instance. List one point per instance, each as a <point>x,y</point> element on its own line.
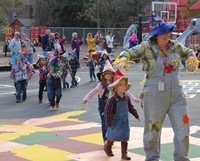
<point>147,52</point>
<point>111,106</point>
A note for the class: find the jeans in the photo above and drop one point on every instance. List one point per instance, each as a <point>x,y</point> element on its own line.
<point>64,82</point>
<point>49,88</point>
<point>74,82</point>
<point>56,92</point>
<point>21,88</point>
<point>92,73</point>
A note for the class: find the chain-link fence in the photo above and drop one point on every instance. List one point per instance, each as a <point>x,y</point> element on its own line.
<point>82,32</point>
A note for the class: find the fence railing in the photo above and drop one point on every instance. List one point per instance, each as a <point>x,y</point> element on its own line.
<point>82,32</point>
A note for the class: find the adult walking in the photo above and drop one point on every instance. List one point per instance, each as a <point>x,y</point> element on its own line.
<point>109,41</point>
<point>15,44</point>
<point>162,92</point>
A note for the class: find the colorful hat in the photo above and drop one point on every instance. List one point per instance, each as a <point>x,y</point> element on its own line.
<point>64,57</point>
<point>13,59</point>
<point>159,26</point>
<point>39,56</point>
<point>53,62</point>
<point>107,67</point>
<point>118,76</point>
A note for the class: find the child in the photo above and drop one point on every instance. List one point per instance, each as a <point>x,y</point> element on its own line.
<point>102,60</point>
<point>43,70</point>
<point>74,65</point>
<point>20,72</point>
<point>65,69</point>
<point>106,78</point>
<point>116,115</point>
<point>91,64</point>
<point>55,76</point>
<point>133,40</point>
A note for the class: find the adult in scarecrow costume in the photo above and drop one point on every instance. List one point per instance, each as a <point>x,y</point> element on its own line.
<point>162,92</point>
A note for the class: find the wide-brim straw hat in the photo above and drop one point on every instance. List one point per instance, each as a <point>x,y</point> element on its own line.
<point>107,67</point>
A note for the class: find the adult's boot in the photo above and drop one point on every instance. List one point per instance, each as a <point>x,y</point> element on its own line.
<point>124,145</point>
<point>108,148</point>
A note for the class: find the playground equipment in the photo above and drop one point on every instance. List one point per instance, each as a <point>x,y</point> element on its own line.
<point>131,29</point>
<point>193,28</point>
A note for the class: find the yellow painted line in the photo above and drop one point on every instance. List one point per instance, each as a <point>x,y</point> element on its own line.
<point>13,136</point>
<point>31,128</point>
<point>42,153</point>
<point>67,115</point>
<point>91,138</point>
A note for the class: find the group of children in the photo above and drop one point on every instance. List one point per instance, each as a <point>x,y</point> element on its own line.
<point>96,58</point>
<point>53,70</point>
<point>114,103</point>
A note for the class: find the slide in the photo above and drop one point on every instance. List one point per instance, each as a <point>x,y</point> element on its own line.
<point>130,30</point>
<point>194,27</point>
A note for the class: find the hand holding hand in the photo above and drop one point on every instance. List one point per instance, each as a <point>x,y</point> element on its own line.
<point>137,101</point>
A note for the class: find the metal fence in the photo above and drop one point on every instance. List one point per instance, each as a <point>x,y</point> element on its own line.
<point>82,32</point>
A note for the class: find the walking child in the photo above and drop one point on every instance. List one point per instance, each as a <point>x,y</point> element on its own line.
<point>106,78</point>
<point>74,65</point>
<point>65,69</point>
<point>116,115</point>
<point>43,70</point>
<point>21,71</point>
<point>92,64</point>
<point>55,76</point>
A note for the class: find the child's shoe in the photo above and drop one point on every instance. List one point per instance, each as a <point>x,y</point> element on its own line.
<point>57,106</point>
<point>51,108</point>
<point>40,101</point>
<point>18,101</point>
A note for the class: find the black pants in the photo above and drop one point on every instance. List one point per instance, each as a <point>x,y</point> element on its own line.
<point>42,84</point>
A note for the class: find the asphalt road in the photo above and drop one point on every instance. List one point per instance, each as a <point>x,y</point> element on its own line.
<point>71,99</point>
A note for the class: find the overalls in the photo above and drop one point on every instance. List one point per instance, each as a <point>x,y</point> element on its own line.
<point>119,130</point>
<point>163,95</point>
<point>102,105</point>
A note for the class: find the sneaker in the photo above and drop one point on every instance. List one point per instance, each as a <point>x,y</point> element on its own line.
<point>91,80</point>
<point>40,101</point>
<point>18,101</point>
<point>57,106</point>
<point>51,108</point>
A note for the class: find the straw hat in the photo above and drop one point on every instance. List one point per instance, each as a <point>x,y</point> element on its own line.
<point>107,67</point>
<point>118,76</point>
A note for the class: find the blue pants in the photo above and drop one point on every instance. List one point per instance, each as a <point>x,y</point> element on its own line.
<point>30,58</point>
<point>49,88</point>
<point>21,88</point>
<point>92,73</point>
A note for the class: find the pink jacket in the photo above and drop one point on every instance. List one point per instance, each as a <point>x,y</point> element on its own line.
<point>100,90</point>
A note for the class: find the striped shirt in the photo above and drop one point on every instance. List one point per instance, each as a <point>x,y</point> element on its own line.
<point>147,52</point>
